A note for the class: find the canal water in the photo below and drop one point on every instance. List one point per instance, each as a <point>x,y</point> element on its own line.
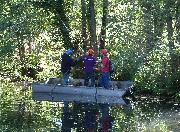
<point>19,113</point>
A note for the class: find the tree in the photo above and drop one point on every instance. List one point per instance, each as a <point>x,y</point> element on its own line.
<point>104,23</point>
<point>61,19</point>
<point>92,26</point>
<point>84,24</point>
<point>148,27</point>
<point>170,30</point>
<point>158,21</point>
<point>177,27</point>
<point>178,21</point>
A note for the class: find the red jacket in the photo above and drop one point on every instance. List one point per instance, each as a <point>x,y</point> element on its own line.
<point>104,65</point>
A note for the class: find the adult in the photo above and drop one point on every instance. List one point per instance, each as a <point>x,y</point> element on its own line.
<point>104,69</point>
<point>89,62</point>
<point>66,63</point>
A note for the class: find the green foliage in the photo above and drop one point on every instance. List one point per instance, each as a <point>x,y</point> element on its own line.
<point>139,42</point>
<point>6,50</point>
<point>155,75</point>
<point>138,45</point>
<point>125,38</point>
<point>27,36</point>
<point>17,110</point>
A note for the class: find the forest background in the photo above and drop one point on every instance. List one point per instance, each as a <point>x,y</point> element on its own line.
<point>142,37</point>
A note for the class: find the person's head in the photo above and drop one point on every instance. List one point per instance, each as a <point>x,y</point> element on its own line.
<point>69,52</point>
<point>90,51</point>
<point>104,52</point>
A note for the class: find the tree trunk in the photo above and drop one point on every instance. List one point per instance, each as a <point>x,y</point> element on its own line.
<point>104,23</point>
<point>148,27</point>
<point>84,23</point>
<point>92,25</point>
<point>21,49</point>
<point>178,22</point>
<point>29,45</point>
<point>159,22</point>
<point>146,7</point>
<point>168,9</point>
<point>177,25</point>
<point>63,23</point>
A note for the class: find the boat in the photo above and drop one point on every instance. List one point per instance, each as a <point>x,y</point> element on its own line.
<point>53,90</point>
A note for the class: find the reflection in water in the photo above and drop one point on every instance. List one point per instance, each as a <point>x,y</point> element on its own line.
<point>86,117</point>
<point>19,113</point>
<point>106,119</point>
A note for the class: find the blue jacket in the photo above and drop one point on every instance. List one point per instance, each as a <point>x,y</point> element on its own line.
<point>66,63</point>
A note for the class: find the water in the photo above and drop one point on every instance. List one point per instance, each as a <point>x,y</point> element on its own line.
<point>19,113</point>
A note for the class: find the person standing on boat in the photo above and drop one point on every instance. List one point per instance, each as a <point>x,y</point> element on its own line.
<point>89,62</point>
<point>66,63</point>
<point>104,69</point>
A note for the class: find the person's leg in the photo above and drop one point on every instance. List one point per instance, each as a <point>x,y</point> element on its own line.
<point>92,76</point>
<point>86,79</point>
<point>66,78</point>
<point>101,80</point>
<point>105,80</point>
<point>66,81</point>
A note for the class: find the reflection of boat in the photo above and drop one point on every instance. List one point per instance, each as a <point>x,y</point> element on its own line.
<point>54,91</point>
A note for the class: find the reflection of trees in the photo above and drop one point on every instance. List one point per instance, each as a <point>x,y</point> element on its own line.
<point>133,118</point>
<point>18,112</point>
<point>148,112</point>
<point>124,119</point>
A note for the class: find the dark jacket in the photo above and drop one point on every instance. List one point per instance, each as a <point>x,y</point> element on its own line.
<point>66,63</point>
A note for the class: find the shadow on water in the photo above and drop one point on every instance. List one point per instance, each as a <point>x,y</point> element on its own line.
<point>19,113</point>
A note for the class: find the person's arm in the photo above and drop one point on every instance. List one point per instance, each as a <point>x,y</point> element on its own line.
<point>94,61</point>
<point>81,58</point>
<point>74,62</point>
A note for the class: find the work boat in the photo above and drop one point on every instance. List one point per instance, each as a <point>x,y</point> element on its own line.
<point>54,90</point>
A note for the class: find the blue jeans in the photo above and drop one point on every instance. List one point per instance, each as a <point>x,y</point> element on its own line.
<point>104,80</point>
<point>66,78</point>
<point>88,76</point>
